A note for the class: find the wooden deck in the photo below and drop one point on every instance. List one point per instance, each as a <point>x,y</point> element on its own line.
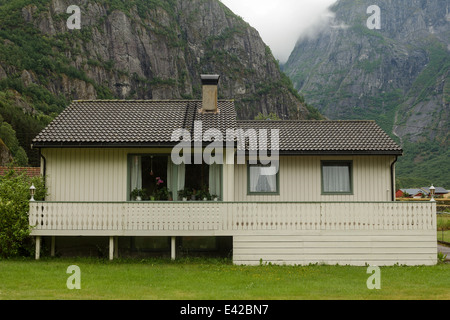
<point>273,231</point>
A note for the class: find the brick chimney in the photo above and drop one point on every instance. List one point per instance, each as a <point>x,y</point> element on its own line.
<point>209,102</point>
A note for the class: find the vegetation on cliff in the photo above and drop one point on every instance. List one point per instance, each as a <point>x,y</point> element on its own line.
<point>398,75</point>
<point>132,50</point>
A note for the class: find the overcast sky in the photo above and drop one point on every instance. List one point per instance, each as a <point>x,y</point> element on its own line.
<point>281,22</point>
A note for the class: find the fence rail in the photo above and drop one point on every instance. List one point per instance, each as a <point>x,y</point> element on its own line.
<point>214,218</point>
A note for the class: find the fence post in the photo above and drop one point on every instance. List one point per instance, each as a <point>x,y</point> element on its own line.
<point>173,248</point>
<point>38,248</point>
<point>111,248</point>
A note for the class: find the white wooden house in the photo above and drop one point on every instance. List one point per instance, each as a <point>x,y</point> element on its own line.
<point>331,199</point>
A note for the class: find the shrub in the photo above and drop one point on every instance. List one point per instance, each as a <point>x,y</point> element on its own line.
<point>14,227</point>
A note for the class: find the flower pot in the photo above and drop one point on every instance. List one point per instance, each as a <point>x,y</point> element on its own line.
<point>138,198</point>
<point>184,199</point>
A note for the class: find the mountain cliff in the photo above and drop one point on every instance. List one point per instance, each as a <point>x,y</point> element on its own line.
<point>398,75</point>
<point>142,49</point>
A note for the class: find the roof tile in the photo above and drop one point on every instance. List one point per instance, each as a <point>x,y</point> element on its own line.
<point>323,136</point>
<point>148,122</point>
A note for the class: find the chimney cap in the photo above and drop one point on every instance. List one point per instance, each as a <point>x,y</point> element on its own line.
<point>210,79</point>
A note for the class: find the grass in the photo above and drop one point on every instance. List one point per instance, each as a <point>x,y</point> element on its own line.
<point>443,235</point>
<point>443,221</point>
<point>209,279</point>
<point>443,227</point>
<point>215,280</point>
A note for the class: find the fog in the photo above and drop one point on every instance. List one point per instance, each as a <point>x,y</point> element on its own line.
<point>281,23</point>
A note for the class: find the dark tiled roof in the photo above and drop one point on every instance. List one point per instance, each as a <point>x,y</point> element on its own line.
<point>112,123</point>
<point>29,171</point>
<point>131,122</point>
<point>325,136</point>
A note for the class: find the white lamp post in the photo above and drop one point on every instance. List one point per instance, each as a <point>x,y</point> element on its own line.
<point>32,191</point>
<point>432,190</point>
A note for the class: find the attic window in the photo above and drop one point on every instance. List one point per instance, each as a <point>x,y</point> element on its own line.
<point>337,177</point>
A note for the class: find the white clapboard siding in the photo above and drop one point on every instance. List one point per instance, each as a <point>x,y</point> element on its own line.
<point>86,174</point>
<point>101,175</point>
<point>338,247</point>
<point>89,174</point>
<point>300,180</point>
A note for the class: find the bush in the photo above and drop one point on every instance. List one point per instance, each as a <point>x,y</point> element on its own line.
<point>8,135</point>
<point>14,227</point>
<point>271,116</point>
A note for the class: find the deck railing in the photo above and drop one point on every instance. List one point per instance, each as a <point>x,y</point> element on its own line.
<point>224,218</point>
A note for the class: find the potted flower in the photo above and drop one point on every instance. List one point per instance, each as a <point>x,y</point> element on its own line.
<point>204,195</point>
<point>158,193</point>
<point>138,194</point>
<point>162,194</point>
<point>215,197</point>
<point>184,194</point>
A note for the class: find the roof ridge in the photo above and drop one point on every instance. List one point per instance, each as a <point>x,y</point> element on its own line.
<point>148,100</point>
<point>278,121</point>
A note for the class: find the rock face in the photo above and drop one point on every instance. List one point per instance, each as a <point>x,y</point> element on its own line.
<point>158,49</point>
<point>398,75</point>
<point>349,71</point>
<point>5,154</point>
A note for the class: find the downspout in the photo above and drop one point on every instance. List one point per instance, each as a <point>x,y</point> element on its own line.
<point>44,171</point>
<point>392,178</point>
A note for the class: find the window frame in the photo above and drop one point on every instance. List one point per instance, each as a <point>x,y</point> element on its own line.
<point>250,193</point>
<point>164,154</point>
<point>349,163</point>
<point>129,164</point>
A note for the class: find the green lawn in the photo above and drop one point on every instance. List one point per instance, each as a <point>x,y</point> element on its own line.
<point>214,280</point>
<point>443,221</point>
<point>443,227</point>
<point>444,236</point>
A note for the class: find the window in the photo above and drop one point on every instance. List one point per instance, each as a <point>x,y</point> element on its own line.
<point>149,178</point>
<point>337,177</point>
<point>263,180</point>
<point>156,177</point>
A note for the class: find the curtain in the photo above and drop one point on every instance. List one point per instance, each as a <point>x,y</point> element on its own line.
<point>270,175</point>
<point>181,176</point>
<point>336,178</point>
<point>263,179</point>
<point>215,182</point>
<point>254,179</point>
<point>136,173</point>
<point>175,171</point>
<point>170,175</point>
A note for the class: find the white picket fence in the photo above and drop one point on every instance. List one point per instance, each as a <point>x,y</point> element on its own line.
<point>224,218</point>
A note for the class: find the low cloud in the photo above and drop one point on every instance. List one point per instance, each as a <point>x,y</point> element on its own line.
<point>282,23</point>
